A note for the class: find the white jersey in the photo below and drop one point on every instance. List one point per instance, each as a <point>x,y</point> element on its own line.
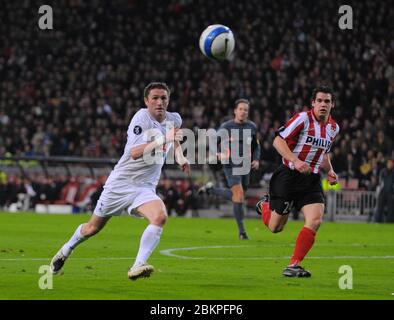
<point>129,172</point>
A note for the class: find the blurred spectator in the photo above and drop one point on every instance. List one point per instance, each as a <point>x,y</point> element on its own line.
<point>269,157</point>
<point>3,189</point>
<point>339,162</point>
<point>15,186</point>
<point>96,195</point>
<point>385,205</point>
<point>72,90</point>
<point>189,199</point>
<point>170,195</point>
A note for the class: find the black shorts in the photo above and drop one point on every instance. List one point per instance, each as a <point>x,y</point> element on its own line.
<point>290,188</point>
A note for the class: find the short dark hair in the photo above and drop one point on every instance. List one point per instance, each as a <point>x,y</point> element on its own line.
<point>238,101</point>
<point>324,89</point>
<point>156,85</point>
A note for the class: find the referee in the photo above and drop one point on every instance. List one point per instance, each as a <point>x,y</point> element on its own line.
<point>242,136</point>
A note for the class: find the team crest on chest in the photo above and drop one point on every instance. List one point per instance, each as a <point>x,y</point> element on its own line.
<point>331,131</point>
<point>137,130</point>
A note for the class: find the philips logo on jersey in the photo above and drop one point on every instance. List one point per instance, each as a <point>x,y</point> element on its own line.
<point>318,142</point>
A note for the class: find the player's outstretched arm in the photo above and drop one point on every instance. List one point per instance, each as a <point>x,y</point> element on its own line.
<point>331,175</point>
<point>146,148</point>
<point>181,159</point>
<point>281,146</point>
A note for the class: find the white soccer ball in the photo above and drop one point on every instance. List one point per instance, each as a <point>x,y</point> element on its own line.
<point>217,42</point>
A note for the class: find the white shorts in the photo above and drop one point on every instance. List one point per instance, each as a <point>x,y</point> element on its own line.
<point>112,203</point>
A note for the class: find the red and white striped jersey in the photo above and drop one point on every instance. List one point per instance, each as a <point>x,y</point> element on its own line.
<point>308,138</point>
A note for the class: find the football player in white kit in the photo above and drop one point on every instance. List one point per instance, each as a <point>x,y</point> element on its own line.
<point>132,183</point>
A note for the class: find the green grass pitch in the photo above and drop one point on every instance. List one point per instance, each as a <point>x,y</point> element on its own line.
<point>196,259</point>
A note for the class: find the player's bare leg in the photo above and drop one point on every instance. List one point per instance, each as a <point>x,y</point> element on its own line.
<point>82,233</point>
<point>313,214</point>
<point>274,221</point>
<point>155,212</point>
<point>277,222</point>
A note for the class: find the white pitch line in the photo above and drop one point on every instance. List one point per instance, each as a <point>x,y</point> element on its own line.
<point>49,259</point>
<point>284,258</point>
<point>169,253</point>
<point>204,258</point>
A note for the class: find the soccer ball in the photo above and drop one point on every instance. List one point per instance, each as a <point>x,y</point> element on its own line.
<point>217,42</point>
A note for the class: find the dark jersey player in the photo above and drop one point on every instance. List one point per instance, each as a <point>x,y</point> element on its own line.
<point>304,143</point>
<point>243,154</point>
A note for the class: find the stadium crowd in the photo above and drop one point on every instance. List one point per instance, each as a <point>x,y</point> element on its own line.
<point>72,90</point>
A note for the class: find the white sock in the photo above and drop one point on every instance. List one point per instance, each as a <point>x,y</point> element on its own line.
<point>149,240</point>
<point>75,240</point>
